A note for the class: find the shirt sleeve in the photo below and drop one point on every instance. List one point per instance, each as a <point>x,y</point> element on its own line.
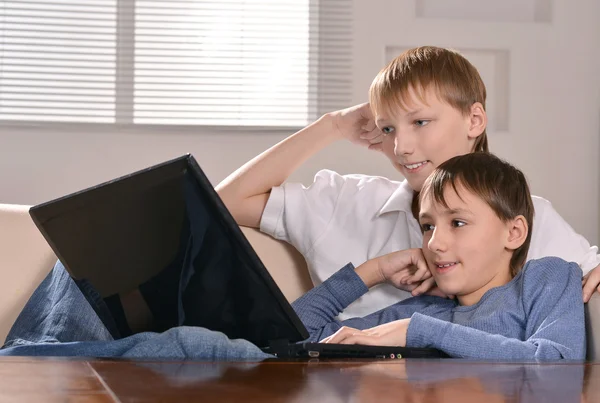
<point>298,214</point>
<point>318,308</point>
<point>553,236</point>
<point>555,327</point>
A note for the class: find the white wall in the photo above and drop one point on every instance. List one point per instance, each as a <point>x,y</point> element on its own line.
<point>553,114</point>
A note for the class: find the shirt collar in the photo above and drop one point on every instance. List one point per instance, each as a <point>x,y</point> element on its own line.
<point>400,200</point>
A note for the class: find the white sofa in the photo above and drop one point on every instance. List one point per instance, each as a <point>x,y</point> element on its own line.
<point>26,258</point>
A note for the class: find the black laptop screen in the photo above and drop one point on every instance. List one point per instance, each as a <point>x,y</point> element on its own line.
<point>165,230</point>
<point>225,291</point>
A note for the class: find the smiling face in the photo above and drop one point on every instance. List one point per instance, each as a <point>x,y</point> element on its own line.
<point>426,132</point>
<point>467,247</point>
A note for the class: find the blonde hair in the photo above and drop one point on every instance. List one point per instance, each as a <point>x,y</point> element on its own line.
<point>455,80</point>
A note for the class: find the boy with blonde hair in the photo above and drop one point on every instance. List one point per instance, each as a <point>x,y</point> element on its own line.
<point>426,106</point>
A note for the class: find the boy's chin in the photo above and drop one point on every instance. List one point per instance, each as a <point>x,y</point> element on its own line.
<point>448,289</point>
<point>416,181</point>
<point>415,184</point>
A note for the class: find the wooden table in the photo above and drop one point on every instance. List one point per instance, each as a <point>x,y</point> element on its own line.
<point>48,380</point>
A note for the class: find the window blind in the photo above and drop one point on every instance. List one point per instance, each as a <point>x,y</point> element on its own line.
<point>265,63</point>
<point>57,60</point>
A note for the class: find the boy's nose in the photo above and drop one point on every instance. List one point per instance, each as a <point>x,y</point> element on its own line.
<point>403,144</point>
<point>437,242</point>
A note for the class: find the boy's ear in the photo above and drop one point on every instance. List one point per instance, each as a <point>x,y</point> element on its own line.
<point>517,232</point>
<point>477,120</point>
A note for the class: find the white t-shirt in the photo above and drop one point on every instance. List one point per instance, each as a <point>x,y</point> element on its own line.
<point>354,218</point>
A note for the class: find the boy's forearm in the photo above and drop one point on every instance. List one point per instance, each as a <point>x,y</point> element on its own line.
<point>318,308</point>
<point>464,342</point>
<point>370,273</point>
<point>245,192</point>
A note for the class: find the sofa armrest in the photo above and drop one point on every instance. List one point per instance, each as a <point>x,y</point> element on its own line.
<point>25,259</point>
<point>285,264</point>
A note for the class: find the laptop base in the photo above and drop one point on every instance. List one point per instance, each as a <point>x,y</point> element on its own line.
<point>324,350</point>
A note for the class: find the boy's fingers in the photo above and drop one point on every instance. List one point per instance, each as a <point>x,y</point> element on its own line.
<point>427,274</point>
<point>360,338</point>
<point>366,111</point>
<point>424,287</point>
<point>421,265</point>
<point>590,285</point>
<point>370,126</point>
<point>374,137</point>
<point>419,276</point>
<point>340,335</point>
<point>376,147</point>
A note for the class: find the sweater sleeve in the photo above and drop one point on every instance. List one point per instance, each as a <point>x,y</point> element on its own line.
<point>554,328</point>
<point>318,308</point>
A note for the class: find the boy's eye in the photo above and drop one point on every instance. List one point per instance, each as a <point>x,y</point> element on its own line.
<point>387,130</point>
<point>458,223</point>
<point>426,227</point>
<point>421,122</point>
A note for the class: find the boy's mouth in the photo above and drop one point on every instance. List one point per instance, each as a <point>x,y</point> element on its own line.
<point>444,267</point>
<point>411,168</point>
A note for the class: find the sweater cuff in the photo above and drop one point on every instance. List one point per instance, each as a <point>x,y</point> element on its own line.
<point>346,286</point>
<point>425,332</point>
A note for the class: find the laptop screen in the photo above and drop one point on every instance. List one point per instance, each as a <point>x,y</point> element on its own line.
<point>122,234</point>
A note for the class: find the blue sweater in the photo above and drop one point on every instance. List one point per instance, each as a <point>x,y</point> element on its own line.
<point>538,315</point>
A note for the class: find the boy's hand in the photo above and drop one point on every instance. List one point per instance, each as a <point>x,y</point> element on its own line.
<point>591,283</point>
<point>388,334</point>
<point>407,270</point>
<point>358,125</point>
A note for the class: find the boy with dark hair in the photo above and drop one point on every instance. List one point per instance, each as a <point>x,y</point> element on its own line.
<point>476,216</point>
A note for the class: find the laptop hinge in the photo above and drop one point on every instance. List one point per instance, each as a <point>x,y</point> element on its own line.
<point>279,347</point>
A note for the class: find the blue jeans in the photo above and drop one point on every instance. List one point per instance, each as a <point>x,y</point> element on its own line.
<point>63,318</point>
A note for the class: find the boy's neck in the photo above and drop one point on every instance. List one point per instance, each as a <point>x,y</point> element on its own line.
<point>503,277</point>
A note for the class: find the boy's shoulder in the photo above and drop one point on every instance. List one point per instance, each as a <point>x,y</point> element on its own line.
<point>359,180</point>
<point>365,190</point>
<point>540,205</point>
<point>550,271</point>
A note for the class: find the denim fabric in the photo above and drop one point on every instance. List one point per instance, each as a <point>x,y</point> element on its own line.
<point>59,312</point>
<point>59,321</point>
<point>178,343</point>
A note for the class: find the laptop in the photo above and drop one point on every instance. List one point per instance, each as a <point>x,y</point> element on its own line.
<point>128,232</point>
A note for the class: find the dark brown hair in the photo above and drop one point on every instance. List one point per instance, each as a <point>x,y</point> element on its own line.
<point>454,79</point>
<point>499,184</point>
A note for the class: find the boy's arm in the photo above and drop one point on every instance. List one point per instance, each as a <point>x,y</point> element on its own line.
<point>555,326</point>
<point>245,192</point>
<point>319,307</point>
